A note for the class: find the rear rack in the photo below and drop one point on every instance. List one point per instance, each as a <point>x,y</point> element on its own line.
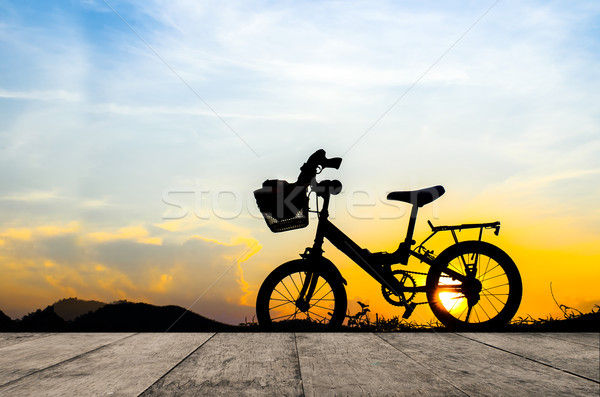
<point>452,229</point>
<point>490,225</point>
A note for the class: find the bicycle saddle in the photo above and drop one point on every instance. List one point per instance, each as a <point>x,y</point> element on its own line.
<point>419,197</point>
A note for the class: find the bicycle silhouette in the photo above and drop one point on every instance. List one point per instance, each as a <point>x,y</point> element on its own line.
<point>471,285</point>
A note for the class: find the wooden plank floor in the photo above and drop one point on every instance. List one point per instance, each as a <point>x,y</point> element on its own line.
<point>288,364</point>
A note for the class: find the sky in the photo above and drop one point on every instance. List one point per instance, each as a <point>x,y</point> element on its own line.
<point>132,134</point>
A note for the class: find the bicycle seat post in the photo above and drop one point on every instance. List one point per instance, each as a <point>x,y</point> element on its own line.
<point>411,226</point>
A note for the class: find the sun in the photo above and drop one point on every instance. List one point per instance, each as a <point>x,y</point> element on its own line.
<point>452,301</point>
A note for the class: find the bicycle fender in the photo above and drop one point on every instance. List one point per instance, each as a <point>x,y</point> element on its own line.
<point>328,267</point>
<point>442,258</point>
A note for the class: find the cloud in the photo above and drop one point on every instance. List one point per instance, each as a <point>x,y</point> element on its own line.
<point>94,127</point>
<point>41,95</point>
<point>32,196</point>
<point>55,262</point>
<point>135,233</point>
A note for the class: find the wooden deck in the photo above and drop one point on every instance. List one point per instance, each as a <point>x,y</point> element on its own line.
<point>319,364</point>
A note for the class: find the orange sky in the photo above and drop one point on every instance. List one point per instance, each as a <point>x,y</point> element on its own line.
<point>43,264</point>
<point>129,151</point>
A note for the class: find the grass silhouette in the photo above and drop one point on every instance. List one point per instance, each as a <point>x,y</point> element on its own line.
<point>573,320</point>
<point>141,317</point>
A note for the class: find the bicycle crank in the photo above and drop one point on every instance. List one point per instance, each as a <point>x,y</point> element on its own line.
<point>406,280</point>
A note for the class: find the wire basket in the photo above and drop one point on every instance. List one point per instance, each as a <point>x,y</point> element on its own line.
<point>283,205</point>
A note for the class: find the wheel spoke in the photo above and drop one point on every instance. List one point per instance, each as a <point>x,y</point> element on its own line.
<point>281,304</point>
<point>454,304</point>
<point>285,315</point>
<point>491,278</point>
<point>293,314</point>
<point>492,304</point>
<point>461,313</point>
<point>484,312</point>
<point>323,317</point>
<point>497,286</point>
<point>457,269</point>
<point>322,285</point>
<point>494,296</point>
<point>483,275</point>
<point>280,293</point>
<point>286,288</point>
<point>319,300</point>
<point>281,300</point>
<point>476,314</point>
<point>321,307</point>
<point>487,265</point>
<point>294,282</point>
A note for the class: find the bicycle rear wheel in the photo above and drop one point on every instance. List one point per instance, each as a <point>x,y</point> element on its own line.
<point>280,304</point>
<point>487,299</point>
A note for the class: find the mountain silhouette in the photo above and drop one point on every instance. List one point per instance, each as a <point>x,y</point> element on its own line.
<point>71,308</point>
<point>6,323</point>
<point>143,317</point>
<point>121,316</point>
<point>41,321</point>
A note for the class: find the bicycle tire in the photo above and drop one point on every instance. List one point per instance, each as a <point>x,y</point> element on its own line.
<point>276,307</point>
<point>500,292</point>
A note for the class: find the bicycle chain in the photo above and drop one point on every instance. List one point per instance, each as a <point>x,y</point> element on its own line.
<point>387,294</point>
<point>413,272</point>
<point>425,274</point>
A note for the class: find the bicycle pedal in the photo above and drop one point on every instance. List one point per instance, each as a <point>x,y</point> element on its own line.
<point>409,310</point>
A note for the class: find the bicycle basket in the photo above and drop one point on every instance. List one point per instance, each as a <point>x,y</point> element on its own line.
<point>283,205</point>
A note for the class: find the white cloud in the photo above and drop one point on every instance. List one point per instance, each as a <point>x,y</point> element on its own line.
<point>89,111</point>
<point>41,95</point>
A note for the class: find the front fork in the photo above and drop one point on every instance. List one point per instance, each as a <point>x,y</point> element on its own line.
<point>314,254</point>
<point>308,289</point>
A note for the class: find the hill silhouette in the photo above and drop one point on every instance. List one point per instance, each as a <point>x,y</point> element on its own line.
<point>41,321</point>
<point>6,323</point>
<point>71,308</point>
<point>123,316</point>
<point>120,316</point>
<point>143,317</point>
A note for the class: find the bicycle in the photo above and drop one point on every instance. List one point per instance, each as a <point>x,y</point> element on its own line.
<point>471,285</point>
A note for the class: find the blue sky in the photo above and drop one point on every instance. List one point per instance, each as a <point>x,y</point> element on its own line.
<point>97,128</point>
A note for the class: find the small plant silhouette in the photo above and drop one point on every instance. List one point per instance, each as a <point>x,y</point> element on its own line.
<point>360,319</point>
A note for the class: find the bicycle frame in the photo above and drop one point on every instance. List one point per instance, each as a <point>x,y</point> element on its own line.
<point>464,282</point>
<point>378,264</point>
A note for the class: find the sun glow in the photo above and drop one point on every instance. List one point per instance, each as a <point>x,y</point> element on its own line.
<point>452,301</point>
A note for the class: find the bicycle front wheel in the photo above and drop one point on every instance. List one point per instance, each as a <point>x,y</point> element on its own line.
<point>489,295</point>
<point>282,302</point>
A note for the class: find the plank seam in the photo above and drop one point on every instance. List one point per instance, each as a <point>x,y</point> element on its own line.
<point>176,365</point>
<point>64,361</point>
<point>299,366</point>
<point>420,364</point>
<point>531,359</point>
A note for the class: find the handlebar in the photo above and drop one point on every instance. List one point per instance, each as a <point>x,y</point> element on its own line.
<point>318,159</point>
